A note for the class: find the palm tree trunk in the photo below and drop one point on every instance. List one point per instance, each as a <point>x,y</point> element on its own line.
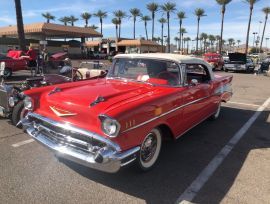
<point>116,29</point>
<point>134,28</point>
<point>145,25</point>
<point>48,20</point>
<point>101,31</point>
<point>20,27</point>
<point>221,30</point>
<point>182,35</point>
<point>120,22</point>
<point>162,40</point>
<point>266,17</point>
<point>247,39</point>
<point>180,27</point>
<point>197,39</point>
<point>169,41</point>
<point>153,25</point>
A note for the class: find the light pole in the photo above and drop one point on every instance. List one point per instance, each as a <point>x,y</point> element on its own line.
<point>260,23</point>
<point>254,33</point>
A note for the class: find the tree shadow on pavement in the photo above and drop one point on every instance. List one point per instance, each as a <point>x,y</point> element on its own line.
<point>181,161</point>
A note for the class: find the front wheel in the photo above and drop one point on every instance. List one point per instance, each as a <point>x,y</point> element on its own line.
<point>18,113</point>
<point>150,149</point>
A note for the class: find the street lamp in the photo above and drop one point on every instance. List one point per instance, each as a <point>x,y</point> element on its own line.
<point>254,33</point>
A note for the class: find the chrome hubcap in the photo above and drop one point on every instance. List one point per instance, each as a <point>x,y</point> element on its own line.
<point>149,147</point>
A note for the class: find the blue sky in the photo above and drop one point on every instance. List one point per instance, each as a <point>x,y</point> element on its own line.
<point>235,20</point>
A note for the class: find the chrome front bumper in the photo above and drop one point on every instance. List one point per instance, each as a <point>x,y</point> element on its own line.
<point>108,157</point>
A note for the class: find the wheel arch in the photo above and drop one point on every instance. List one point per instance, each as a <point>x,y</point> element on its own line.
<point>166,131</point>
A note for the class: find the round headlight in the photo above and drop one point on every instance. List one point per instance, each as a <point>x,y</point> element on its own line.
<point>11,102</point>
<point>28,104</point>
<point>110,126</point>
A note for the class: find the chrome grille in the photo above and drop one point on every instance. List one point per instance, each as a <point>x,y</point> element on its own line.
<point>65,137</point>
<point>3,98</point>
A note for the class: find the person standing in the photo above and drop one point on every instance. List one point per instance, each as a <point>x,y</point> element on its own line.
<point>32,58</point>
<point>45,60</point>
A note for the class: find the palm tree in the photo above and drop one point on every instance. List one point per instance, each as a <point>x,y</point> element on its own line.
<point>182,31</point>
<point>180,15</point>
<point>223,4</point>
<point>134,13</point>
<point>168,8</point>
<point>153,7</point>
<point>204,37</point>
<point>86,16</point>
<point>20,27</point>
<point>115,21</point>
<point>212,39</point>
<point>145,19</point>
<point>93,26</point>
<point>176,39</point>
<point>251,6</point>
<point>101,15</point>
<point>231,42</point>
<point>187,39</point>
<point>238,42</point>
<point>48,16</point>
<point>72,20</point>
<point>199,13</point>
<point>65,20</point>
<point>162,21</point>
<point>120,15</point>
<point>266,11</point>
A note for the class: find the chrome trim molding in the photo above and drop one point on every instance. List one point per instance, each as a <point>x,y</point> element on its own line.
<point>75,129</point>
<point>164,114</point>
<point>111,159</point>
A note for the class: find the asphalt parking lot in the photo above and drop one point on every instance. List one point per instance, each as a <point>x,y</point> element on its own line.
<point>29,173</point>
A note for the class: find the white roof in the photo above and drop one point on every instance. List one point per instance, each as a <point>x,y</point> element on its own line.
<point>165,56</point>
<point>185,59</point>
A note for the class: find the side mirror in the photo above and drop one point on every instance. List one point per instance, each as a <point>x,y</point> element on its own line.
<point>194,82</point>
<point>2,69</point>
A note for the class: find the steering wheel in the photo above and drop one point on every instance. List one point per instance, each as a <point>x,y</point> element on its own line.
<point>172,79</point>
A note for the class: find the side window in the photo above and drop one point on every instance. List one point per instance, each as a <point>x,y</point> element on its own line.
<point>198,72</point>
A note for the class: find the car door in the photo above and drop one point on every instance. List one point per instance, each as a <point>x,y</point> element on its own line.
<point>197,97</point>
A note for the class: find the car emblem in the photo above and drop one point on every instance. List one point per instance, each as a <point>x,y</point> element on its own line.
<point>61,113</point>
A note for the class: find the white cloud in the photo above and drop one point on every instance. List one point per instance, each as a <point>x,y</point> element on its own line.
<point>7,20</point>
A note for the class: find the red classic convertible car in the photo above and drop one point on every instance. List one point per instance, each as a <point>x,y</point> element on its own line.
<point>108,123</point>
<point>13,64</point>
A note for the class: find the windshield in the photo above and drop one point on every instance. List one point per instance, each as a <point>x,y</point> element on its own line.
<point>92,65</point>
<point>146,70</point>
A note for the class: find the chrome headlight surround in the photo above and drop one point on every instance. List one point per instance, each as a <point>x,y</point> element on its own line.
<point>28,103</point>
<point>109,126</point>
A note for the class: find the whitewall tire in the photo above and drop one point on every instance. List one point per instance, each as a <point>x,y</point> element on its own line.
<point>150,150</point>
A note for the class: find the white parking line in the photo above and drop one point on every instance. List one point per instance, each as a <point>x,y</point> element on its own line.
<point>245,104</point>
<point>189,194</point>
<point>23,143</point>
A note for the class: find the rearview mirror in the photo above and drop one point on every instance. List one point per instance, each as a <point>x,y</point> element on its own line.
<point>2,68</point>
<point>194,82</point>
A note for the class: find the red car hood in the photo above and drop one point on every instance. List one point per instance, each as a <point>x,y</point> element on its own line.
<point>76,101</point>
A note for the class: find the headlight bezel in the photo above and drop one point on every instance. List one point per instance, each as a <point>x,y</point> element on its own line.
<point>28,100</point>
<point>105,120</point>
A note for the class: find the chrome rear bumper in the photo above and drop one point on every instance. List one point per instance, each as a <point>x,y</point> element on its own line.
<point>108,157</point>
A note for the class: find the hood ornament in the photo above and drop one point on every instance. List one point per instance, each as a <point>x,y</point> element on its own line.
<point>98,100</point>
<point>55,90</point>
<point>61,113</point>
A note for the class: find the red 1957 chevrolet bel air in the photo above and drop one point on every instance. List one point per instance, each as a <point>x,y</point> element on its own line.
<point>108,123</point>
